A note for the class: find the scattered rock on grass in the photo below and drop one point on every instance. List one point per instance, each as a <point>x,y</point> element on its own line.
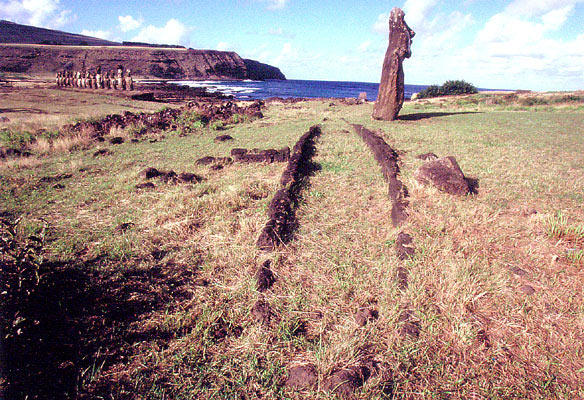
<point>344,382</point>
<point>365,314</point>
<point>265,277</point>
<point>527,289</point>
<point>55,178</point>
<point>261,312</point>
<point>223,138</point>
<point>149,173</point>
<point>302,377</point>
<point>205,160</point>
<point>124,227</point>
<point>145,185</point>
<point>102,152</point>
<point>256,155</point>
<point>403,247</point>
<point>187,177</point>
<point>444,174</point>
<point>399,212</point>
<point>222,329</point>
<point>402,278</point>
<point>518,271</point>
<point>117,140</point>
<point>168,176</point>
<point>212,160</point>
<point>4,119</point>
<point>410,327</point>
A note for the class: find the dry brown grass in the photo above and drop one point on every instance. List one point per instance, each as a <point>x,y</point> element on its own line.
<point>495,298</point>
<point>76,141</point>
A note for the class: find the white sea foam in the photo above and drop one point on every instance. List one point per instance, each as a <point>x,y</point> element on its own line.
<point>224,87</point>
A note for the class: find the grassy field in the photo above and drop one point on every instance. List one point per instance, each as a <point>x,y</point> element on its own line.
<point>149,293</point>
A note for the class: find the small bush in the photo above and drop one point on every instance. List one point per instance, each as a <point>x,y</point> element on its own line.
<point>15,139</point>
<point>569,98</point>
<point>21,253</point>
<point>533,101</point>
<point>239,118</point>
<point>557,227</point>
<point>449,88</point>
<point>190,121</point>
<point>136,130</point>
<point>217,125</point>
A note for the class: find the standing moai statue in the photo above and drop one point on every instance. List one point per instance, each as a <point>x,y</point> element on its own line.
<point>129,81</point>
<point>94,80</point>
<point>106,81</point>
<point>98,78</point>
<point>120,78</point>
<point>114,81</point>
<point>391,89</point>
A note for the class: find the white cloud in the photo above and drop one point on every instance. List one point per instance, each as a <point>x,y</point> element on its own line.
<point>223,46</point>
<point>274,4</point>
<point>417,11</point>
<point>106,35</point>
<point>287,55</point>
<point>537,8</point>
<point>554,19</point>
<point>364,46</point>
<point>44,13</point>
<point>279,32</point>
<point>174,32</point>
<point>128,23</point>
<point>513,49</point>
<point>382,24</point>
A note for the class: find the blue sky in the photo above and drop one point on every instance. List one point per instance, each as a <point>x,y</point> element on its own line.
<point>516,44</point>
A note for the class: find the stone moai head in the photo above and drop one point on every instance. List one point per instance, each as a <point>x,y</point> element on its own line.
<point>400,34</point>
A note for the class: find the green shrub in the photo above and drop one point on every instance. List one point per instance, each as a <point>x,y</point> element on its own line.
<point>430,91</point>
<point>569,98</point>
<point>239,118</point>
<point>190,121</point>
<point>15,139</point>
<point>21,247</point>
<point>449,88</point>
<point>136,130</point>
<point>533,101</point>
<point>217,125</point>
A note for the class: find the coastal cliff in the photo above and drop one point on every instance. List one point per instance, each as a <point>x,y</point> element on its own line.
<point>144,62</point>
<point>35,50</point>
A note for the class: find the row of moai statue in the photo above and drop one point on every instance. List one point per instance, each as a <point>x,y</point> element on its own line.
<point>122,80</point>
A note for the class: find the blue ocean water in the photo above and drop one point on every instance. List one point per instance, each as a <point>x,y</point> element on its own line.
<point>259,90</point>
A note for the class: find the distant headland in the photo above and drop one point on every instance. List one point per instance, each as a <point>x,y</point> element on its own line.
<point>33,50</point>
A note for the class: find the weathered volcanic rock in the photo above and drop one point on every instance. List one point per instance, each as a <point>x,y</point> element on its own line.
<point>261,312</point>
<point>391,90</point>
<point>366,314</point>
<point>265,277</point>
<point>302,377</point>
<point>223,138</point>
<point>344,382</point>
<point>445,174</point>
<point>403,246</point>
<point>149,173</point>
<point>257,156</point>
